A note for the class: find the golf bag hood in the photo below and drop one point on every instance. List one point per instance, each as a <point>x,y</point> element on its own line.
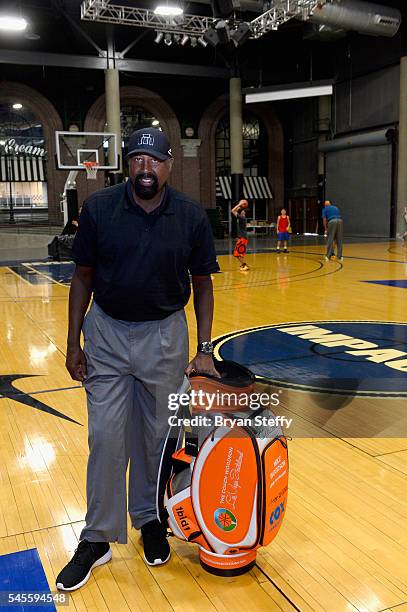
<point>235,384</point>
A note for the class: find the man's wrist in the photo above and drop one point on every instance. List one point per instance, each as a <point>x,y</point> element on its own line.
<point>205,347</point>
<point>73,344</point>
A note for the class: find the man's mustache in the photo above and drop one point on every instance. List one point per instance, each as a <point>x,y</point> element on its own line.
<point>146,175</point>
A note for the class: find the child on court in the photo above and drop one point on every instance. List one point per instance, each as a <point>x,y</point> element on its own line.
<point>283,229</point>
<point>239,211</point>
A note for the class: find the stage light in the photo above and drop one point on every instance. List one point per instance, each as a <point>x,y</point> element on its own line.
<point>202,41</point>
<point>193,41</point>
<point>12,23</point>
<point>166,10</point>
<point>211,36</point>
<point>177,38</point>
<point>155,122</point>
<point>241,34</point>
<point>219,35</point>
<point>222,30</point>
<point>17,106</point>
<point>168,39</point>
<point>184,40</point>
<point>159,37</point>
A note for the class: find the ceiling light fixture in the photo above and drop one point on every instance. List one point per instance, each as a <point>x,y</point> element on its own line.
<point>11,23</point>
<point>17,106</point>
<point>155,122</point>
<point>166,10</point>
<point>289,92</point>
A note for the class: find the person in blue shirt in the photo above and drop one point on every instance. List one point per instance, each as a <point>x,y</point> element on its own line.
<point>333,224</point>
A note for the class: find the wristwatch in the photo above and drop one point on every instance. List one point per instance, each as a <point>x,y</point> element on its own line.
<point>205,347</point>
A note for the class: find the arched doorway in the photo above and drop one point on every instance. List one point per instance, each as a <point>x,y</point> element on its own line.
<point>32,130</point>
<point>218,111</point>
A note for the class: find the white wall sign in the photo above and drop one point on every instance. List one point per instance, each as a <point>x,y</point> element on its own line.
<point>10,146</point>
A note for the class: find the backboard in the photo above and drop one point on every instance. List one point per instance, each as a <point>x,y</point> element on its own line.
<point>74,148</point>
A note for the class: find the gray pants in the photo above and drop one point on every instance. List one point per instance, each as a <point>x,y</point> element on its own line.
<point>132,368</point>
<point>335,233</point>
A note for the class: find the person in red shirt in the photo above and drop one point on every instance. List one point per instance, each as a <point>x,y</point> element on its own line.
<point>283,226</point>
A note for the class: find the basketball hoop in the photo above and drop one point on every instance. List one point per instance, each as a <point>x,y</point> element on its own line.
<point>91,168</point>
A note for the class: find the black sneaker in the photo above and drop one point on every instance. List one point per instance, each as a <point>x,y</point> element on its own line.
<point>156,548</point>
<point>87,556</point>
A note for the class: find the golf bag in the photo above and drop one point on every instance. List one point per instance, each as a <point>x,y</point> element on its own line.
<point>228,490</point>
<point>60,248</point>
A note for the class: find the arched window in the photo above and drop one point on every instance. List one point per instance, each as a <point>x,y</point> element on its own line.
<point>255,159</point>
<point>20,125</point>
<point>23,181</point>
<point>255,164</point>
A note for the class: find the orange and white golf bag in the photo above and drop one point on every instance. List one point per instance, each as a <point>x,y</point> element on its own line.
<point>231,497</point>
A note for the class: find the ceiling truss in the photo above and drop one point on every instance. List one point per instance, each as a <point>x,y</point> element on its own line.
<point>195,25</point>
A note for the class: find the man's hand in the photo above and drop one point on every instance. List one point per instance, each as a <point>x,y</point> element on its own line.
<point>76,363</point>
<point>202,364</point>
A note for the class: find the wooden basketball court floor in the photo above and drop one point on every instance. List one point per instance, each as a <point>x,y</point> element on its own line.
<point>343,543</point>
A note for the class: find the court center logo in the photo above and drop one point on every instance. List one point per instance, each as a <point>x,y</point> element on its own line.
<point>225,519</point>
<point>343,357</point>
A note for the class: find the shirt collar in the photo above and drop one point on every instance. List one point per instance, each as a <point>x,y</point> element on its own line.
<point>166,206</point>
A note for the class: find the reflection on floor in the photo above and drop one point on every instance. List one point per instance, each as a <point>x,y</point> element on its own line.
<point>40,273</point>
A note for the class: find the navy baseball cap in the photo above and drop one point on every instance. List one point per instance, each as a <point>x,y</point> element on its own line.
<point>150,141</point>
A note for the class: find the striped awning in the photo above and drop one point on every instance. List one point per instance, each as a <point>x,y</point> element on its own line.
<point>254,188</point>
<point>22,169</point>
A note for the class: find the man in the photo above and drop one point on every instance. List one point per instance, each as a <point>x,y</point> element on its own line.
<point>135,246</point>
<point>239,211</point>
<point>333,224</point>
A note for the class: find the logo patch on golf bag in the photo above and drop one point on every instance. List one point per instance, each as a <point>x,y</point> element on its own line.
<point>225,519</point>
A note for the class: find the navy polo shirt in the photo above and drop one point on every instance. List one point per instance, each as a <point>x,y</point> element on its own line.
<point>141,260</point>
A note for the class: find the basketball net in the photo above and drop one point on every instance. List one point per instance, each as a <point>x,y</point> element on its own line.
<point>91,168</point>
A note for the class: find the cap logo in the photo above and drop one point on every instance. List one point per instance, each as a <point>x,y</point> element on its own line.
<point>146,139</point>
